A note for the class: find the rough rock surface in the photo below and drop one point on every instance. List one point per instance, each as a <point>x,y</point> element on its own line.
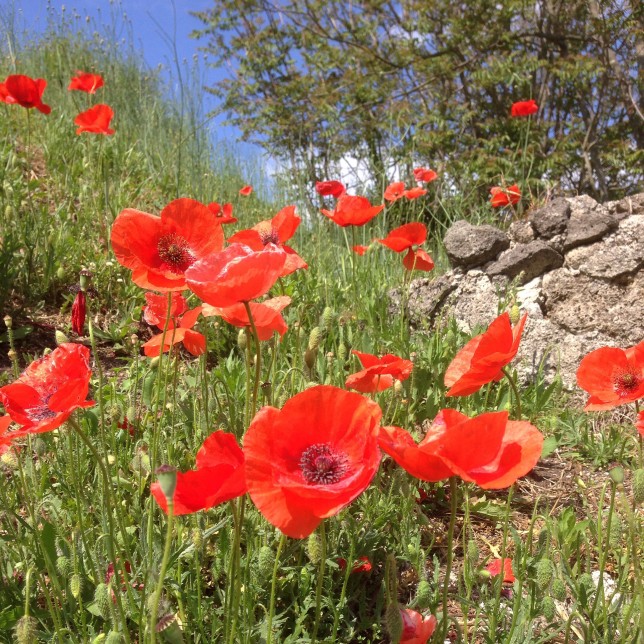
<point>468,246</point>
<point>582,281</point>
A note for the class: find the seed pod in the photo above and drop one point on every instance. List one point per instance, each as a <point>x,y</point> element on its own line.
<point>545,573</point>
<point>548,607</point>
<point>638,486</point>
<point>559,589</point>
<point>313,548</point>
<point>423,594</point>
<point>103,600</point>
<point>394,622</point>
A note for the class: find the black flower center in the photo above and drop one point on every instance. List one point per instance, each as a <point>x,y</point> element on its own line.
<point>322,465</point>
<point>175,252</point>
<point>626,382</point>
<point>269,235</point>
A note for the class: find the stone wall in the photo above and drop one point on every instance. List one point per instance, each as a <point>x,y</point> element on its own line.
<point>576,266</point>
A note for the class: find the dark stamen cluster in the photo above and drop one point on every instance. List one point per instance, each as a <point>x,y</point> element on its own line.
<point>174,251</point>
<point>322,465</point>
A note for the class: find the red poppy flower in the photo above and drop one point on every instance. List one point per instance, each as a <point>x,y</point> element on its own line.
<point>274,231</point>
<point>179,325</point>
<point>246,191</point>
<point>79,310</point>
<point>612,376</point>
<point>378,373</point>
<point>487,450</point>
<point>236,274</point>
<point>219,477</point>
<point>159,250</point>
<point>5,97</point>
<point>496,566</point>
<point>96,120</point>
<point>394,191</point>
<point>5,435</point>
<point>86,82</point>
<point>505,196</point>
<point>25,91</point>
<point>352,211</point>
<point>414,193</point>
<point>404,238</point>
<point>524,108</point>
<point>416,628</point>
<point>49,390</point>
<point>424,174</point>
<point>334,189</point>
<point>266,315</point>
<point>639,425</point>
<point>309,460</point>
<point>480,361</point>
<point>361,565</point>
<point>359,249</point>
<point>223,213</point>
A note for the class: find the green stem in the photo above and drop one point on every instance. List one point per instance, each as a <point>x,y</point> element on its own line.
<point>258,358</point>
<point>320,584</point>
<point>453,506</point>
<point>235,581</point>
<point>162,572</point>
<point>515,390</point>
<point>271,610</point>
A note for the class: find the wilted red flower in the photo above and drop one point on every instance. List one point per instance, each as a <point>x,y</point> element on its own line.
<point>352,211</point>
<point>496,566</point>
<point>223,213</point>
<point>639,425</point>
<point>378,373</point>
<point>96,120</point>
<point>86,82</point>
<point>416,628</point>
<point>359,249</point>
<point>414,193</point>
<point>159,250</point>
<point>246,191</point>
<point>49,390</point>
<point>480,361</point>
<point>27,92</point>
<point>274,231</point>
<point>405,238</point>
<point>219,477</point>
<point>179,325</point>
<point>612,376</point>
<point>267,315</point>
<point>309,460</point>
<point>334,189</point>
<point>524,108</point>
<point>505,196</point>
<point>236,274</point>
<point>79,310</point>
<point>424,174</point>
<point>394,191</point>
<point>488,450</point>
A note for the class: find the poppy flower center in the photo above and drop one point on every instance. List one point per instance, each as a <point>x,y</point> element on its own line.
<point>269,235</point>
<point>175,252</point>
<point>41,412</point>
<point>322,465</point>
<point>626,382</point>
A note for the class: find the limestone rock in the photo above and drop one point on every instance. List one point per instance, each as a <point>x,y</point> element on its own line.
<point>468,246</point>
<point>531,259</point>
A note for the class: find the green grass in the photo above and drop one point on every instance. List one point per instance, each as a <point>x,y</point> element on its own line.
<point>60,194</point>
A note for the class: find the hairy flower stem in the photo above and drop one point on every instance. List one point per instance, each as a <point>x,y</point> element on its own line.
<point>515,391</point>
<point>234,583</point>
<point>453,506</point>
<point>109,504</point>
<point>164,567</point>
<point>271,609</point>
<point>504,549</point>
<point>320,584</point>
<point>258,360</point>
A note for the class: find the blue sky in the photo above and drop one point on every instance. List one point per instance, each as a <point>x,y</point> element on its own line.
<point>156,26</point>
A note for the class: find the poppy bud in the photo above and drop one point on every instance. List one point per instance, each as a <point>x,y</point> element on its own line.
<point>60,337</point>
<point>472,552</point>
<point>63,566</point>
<point>242,339</point>
<point>79,310</point>
<point>265,562</point>
<point>113,638</point>
<point>197,538</point>
<point>617,474</point>
<point>102,600</point>
<point>423,594</point>
<point>545,572</point>
<point>515,314</point>
<point>314,339</point>
<point>25,630</point>
<point>327,318</point>
<point>638,487</point>
<point>75,585</point>
<point>314,548</point>
<point>559,589</point>
<point>394,622</point>
<point>8,321</point>
<point>310,356</point>
<point>548,608</point>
